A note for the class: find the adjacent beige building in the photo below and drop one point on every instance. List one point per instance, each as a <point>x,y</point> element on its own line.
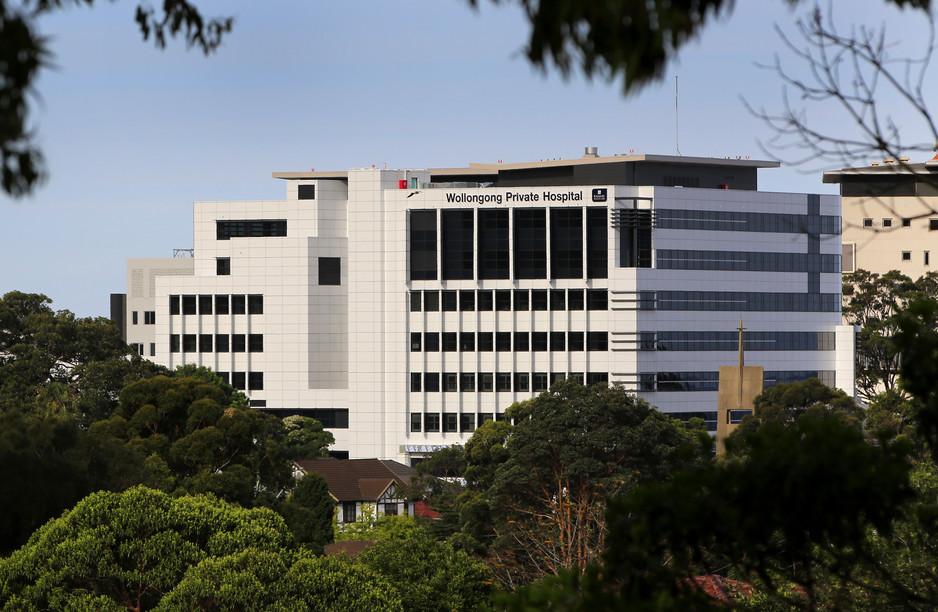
<point>890,216</point>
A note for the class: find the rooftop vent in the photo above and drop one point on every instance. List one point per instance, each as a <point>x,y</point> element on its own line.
<point>591,152</point>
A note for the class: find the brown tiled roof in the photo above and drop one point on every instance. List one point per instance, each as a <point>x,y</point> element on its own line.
<point>357,479</point>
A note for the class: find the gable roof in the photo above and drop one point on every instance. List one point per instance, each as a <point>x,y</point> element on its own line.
<point>358,479</point>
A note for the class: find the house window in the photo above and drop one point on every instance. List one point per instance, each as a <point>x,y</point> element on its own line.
<point>223,266</point>
<point>390,509</point>
<point>348,512</point>
<point>906,255</point>
<point>330,271</point>
<point>867,222</point>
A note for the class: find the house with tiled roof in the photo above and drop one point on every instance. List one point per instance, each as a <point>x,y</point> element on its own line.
<point>362,485</point>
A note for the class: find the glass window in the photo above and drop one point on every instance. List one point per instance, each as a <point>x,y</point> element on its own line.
<point>431,341</point>
<point>597,242</point>
<point>538,341</point>
<point>522,299</point>
<point>238,380</point>
<point>252,228</point>
<point>530,243</point>
<point>153,349</point>
<point>221,343</point>
<point>467,422</point>
<point>483,417</point>
<point>522,381</point>
<point>486,341</point>
<point>596,299</point>
<point>306,192</point>
<point>223,266</point>
<point>467,300</point>
<point>566,243</point>
<point>449,342</point>
<point>932,224</point>
<point>255,304</point>
<point>174,343</point>
<point>432,421</point>
<point>539,382</point>
<point>205,343</point>
<point>503,341</point>
<point>493,244</point>
<point>503,300</point>
<point>558,341</point>
<point>256,343</point>
<point>558,299</point>
<point>415,379</point>
<point>486,300</point>
<point>467,381</point>
<point>188,343</point>
<point>906,255</point>
<point>221,304</point>
<point>133,318</point>
<point>486,381</point>
<point>557,377</point>
<point>449,301</point>
<point>503,381</point>
<point>457,244</point>
<point>467,341</point>
<point>575,341</point>
<point>255,381</point>
<point>238,304</point>
<point>415,421</point>
<point>416,301</point>
<point>423,245</point>
<point>431,381</point>
<point>575,299</point>
<point>431,301</point>
<point>522,342</point>
<point>538,300</point>
<point>174,304</point>
<point>415,341</point>
<point>450,381</point>
<point>597,341</point>
<point>887,222</point>
<point>238,343</point>
<point>596,378</point>
<point>907,223</point>
<point>205,304</point>
<point>330,271</point>
<point>449,423</point>
<point>188,304</point>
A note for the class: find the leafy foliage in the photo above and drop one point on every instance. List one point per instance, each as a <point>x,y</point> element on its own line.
<point>308,512</point>
<point>129,549</point>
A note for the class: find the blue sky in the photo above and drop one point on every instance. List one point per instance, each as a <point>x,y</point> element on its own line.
<point>133,135</point>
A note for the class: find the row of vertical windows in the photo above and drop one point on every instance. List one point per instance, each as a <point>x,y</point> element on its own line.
<point>252,381</point>
<point>518,341</point>
<point>138,348</point>
<point>497,381</point>
<point>217,343</point>
<point>216,304</point>
<point>467,421</point>
<point>252,228</point>
<point>709,381</point>
<point>509,299</point>
<point>729,341</point>
<point>458,254</point>
<point>673,259</point>
<point>149,317</point>
<point>331,418</point>
<point>733,221</point>
<point>743,301</point>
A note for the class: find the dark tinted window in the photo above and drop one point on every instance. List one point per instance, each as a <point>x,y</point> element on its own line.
<point>255,228</point>
<point>423,245</point>
<point>221,304</point>
<point>566,243</point>
<point>306,192</point>
<point>255,304</point>
<point>530,243</point>
<point>330,271</point>
<point>597,243</point>
<point>457,244</point>
<point>238,304</point>
<point>493,244</point>
<point>223,266</point>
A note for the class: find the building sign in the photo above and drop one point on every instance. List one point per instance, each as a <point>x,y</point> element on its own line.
<point>424,448</point>
<point>599,194</point>
<point>559,197</point>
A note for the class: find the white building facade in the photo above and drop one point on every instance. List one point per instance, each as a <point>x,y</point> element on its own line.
<point>403,308</point>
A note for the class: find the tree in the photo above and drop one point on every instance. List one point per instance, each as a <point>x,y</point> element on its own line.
<point>429,575</point>
<point>782,405</point>
<point>263,580</point>
<point>570,449</point>
<point>305,437</point>
<point>127,550</point>
<point>25,52</point>
<point>308,512</point>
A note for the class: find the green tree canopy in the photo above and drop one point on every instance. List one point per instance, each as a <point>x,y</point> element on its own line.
<point>308,512</point>
<point>127,550</point>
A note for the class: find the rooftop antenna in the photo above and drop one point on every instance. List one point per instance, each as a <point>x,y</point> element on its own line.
<point>677,145</point>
